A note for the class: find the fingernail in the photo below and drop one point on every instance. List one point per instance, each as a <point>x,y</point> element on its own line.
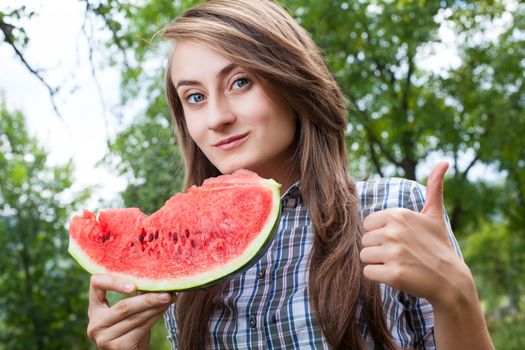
<point>164,297</point>
<point>127,287</point>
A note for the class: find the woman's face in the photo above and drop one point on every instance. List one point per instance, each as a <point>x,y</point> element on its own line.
<point>229,116</point>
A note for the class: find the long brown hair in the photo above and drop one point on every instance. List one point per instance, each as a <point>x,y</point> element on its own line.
<point>263,38</point>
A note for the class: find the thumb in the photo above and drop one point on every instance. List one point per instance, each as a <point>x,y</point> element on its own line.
<point>434,198</point>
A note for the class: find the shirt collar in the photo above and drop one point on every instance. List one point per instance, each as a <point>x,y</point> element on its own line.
<point>292,197</point>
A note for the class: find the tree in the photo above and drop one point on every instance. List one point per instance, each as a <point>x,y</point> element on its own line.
<point>495,254</point>
<point>405,113</point>
<point>146,153</point>
<point>487,95</point>
<point>43,292</point>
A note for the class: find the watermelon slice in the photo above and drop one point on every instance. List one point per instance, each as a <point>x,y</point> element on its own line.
<point>196,239</point>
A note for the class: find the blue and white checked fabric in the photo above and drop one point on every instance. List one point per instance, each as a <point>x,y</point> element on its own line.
<point>267,306</point>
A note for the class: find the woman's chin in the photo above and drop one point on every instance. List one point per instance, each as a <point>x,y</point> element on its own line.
<point>230,168</point>
<point>234,167</point>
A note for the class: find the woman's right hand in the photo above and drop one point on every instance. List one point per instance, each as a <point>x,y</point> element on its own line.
<point>128,323</point>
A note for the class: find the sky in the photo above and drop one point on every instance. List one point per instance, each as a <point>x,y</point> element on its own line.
<point>58,47</point>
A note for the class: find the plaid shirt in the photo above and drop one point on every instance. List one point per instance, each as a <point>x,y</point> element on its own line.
<point>267,306</point>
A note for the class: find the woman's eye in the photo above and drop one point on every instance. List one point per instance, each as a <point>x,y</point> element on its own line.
<point>195,98</point>
<point>240,83</point>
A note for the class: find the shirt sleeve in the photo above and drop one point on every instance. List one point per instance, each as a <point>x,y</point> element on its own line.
<point>410,320</point>
<point>171,327</point>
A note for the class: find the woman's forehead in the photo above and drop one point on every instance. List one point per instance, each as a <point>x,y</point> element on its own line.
<point>191,60</point>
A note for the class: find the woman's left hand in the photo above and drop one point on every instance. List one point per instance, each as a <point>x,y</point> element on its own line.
<point>412,251</point>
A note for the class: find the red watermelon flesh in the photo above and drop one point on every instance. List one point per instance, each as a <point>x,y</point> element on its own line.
<point>196,239</point>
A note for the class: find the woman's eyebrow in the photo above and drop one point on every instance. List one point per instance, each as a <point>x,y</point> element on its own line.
<point>224,71</point>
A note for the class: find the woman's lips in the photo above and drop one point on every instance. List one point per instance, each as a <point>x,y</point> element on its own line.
<point>231,142</point>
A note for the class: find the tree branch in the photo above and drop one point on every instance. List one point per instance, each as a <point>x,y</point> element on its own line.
<point>385,71</point>
<point>375,159</point>
<point>7,30</point>
<point>484,134</point>
<point>467,169</point>
<point>117,40</point>
<point>406,90</point>
<point>410,160</point>
<point>371,136</point>
<point>94,72</point>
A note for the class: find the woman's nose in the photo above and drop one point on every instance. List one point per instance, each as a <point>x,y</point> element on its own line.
<point>220,114</point>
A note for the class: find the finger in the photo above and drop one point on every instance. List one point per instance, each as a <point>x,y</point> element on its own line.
<point>372,255</point>
<point>134,305</point>
<point>148,324</point>
<point>146,327</point>
<point>375,272</point>
<point>372,238</point>
<point>131,323</point>
<point>434,197</point>
<point>101,283</point>
<point>375,220</point>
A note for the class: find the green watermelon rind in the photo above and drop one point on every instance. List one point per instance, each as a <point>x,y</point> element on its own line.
<point>205,279</point>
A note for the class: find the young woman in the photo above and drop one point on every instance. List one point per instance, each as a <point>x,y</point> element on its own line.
<point>367,265</point>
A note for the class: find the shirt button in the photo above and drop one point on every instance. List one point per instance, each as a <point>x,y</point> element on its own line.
<point>261,274</point>
<point>253,323</point>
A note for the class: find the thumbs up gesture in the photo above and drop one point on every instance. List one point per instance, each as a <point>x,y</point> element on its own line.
<point>412,251</point>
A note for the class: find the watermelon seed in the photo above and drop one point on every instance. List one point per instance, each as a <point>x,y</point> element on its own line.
<point>142,236</point>
<point>106,237</point>
<point>187,233</point>
<point>156,234</point>
<point>150,237</point>
<point>175,238</point>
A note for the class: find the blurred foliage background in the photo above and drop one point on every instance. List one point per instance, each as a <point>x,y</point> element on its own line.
<point>409,110</point>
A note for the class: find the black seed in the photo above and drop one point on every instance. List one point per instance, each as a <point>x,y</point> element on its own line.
<point>104,239</point>
<point>150,237</point>
<point>156,234</point>
<point>142,236</point>
<point>175,238</point>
